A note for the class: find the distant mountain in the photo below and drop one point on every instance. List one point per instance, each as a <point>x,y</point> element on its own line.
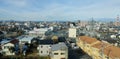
<point>63,20</point>
<point>105,19</point>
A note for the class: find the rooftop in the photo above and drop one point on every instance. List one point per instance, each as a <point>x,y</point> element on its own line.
<point>99,45</point>
<point>112,51</point>
<point>4,42</point>
<point>87,39</point>
<point>59,46</point>
<point>109,50</point>
<point>25,38</point>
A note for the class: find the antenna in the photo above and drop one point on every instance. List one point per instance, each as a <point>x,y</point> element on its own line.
<point>117,20</point>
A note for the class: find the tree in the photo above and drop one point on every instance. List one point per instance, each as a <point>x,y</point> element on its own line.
<point>55,39</point>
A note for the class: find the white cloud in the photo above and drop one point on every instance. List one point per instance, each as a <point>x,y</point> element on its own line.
<point>17,3</point>
<point>53,11</point>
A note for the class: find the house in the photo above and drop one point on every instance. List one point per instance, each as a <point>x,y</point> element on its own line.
<point>44,47</point>
<point>98,49</point>
<point>25,39</point>
<point>38,32</point>
<point>59,51</point>
<point>16,46</point>
<point>8,46</point>
<point>6,49</point>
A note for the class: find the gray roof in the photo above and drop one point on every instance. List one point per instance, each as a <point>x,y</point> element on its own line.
<point>4,41</point>
<point>59,46</point>
<point>25,38</point>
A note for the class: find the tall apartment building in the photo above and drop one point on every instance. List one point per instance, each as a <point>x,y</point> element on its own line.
<point>72,32</point>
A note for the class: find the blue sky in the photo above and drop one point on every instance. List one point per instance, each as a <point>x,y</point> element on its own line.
<point>58,9</point>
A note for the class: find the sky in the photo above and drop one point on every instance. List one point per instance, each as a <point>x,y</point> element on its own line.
<point>58,9</point>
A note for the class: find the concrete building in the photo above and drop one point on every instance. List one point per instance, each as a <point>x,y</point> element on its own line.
<point>72,32</point>
<point>83,23</point>
<point>7,46</point>
<point>59,51</point>
<point>98,49</point>
<point>25,39</point>
<point>44,47</point>
<point>6,49</point>
<point>38,32</point>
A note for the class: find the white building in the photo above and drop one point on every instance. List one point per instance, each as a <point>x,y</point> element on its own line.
<point>51,28</point>
<point>44,47</point>
<point>38,32</point>
<point>25,39</point>
<point>72,32</point>
<point>6,49</point>
<point>59,51</point>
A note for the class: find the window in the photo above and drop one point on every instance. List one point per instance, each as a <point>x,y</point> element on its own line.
<point>55,53</point>
<point>6,47</point>
<point>62,53</point>
<point>87,46</point>
<point>4,53</point>
<point>62,58</point>
<point>107,57</point>
<point>41,46</point>
<point>47,51</point>
<point>41,51</point>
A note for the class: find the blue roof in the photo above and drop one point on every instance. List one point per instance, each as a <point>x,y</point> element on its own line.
<point>4,41</point>
<point>25,38</point>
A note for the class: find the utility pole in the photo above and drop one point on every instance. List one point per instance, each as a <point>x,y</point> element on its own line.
<point>102,51</point>
<point>117,21</point>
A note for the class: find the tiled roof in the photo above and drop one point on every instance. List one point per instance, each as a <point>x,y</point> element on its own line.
<point>113,52</point>
<point>100,45</point>
<point>14,41</point>
<point>109,50</point>
<point>87,39</point>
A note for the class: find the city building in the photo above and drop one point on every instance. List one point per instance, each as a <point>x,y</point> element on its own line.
<point>98,49</point>
<point>72,32</point>
<point>7,46</point>
<point>6,49</point>
<point>38,32</point>
<point>44,47</point>
<point>83,23</point>
<point>59,51</point>
<point>25,39</point>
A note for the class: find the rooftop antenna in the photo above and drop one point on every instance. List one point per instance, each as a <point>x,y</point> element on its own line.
<point>117,20</point>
